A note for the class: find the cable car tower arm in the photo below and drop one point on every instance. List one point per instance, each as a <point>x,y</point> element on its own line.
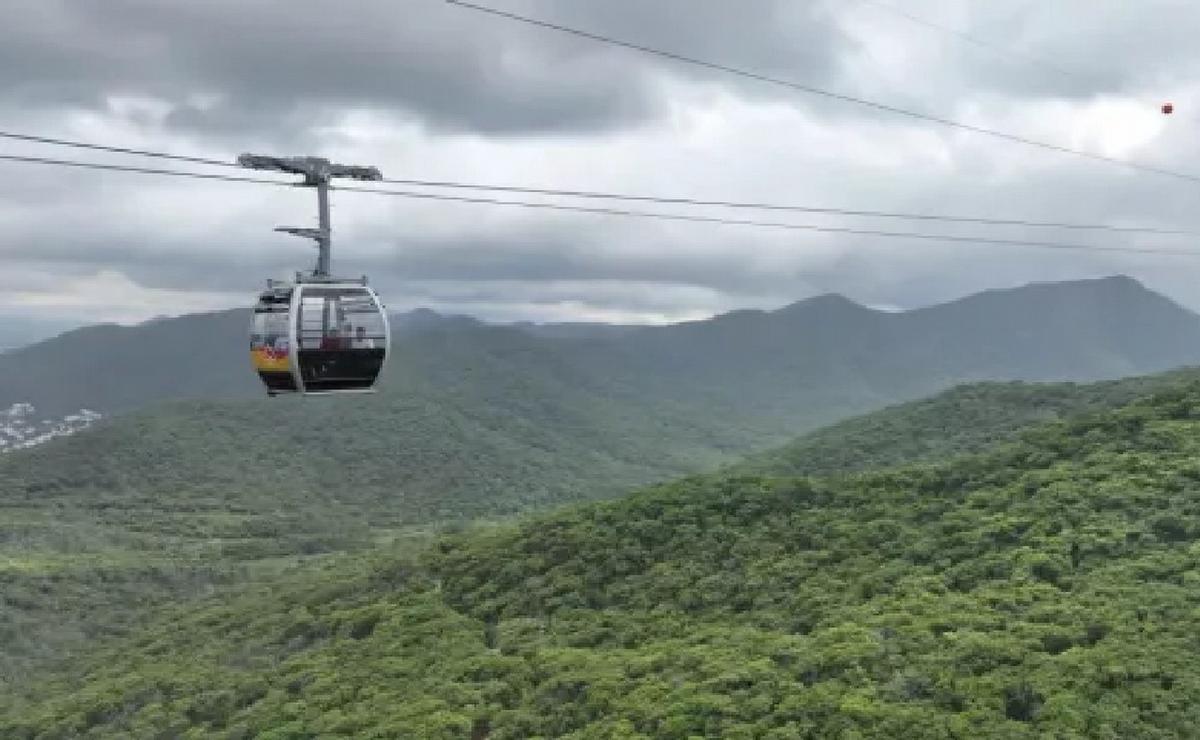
<point>317,173</point>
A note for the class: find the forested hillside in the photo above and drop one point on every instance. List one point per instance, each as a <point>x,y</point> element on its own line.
<point>171,504</point>
<point>476,420</point>
<point>112,368</point>
<point>1045,588</point>
<point>179,500</point>
<point>494,424</point>
<point>965,419</point>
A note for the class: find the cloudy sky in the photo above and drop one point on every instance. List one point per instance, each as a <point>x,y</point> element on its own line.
<point>427,90</point>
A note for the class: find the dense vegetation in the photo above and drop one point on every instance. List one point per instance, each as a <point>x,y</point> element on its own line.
<point>96,529</point>
<point>1045,588</point>
<point>191,498</point>
<point>965,419</point>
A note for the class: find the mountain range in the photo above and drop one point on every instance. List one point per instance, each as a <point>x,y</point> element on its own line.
<point>193,481</point>
<point>474,420</point>
<point>805,364</point>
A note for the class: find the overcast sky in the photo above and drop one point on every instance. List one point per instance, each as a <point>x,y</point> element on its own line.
<point>427,90</point>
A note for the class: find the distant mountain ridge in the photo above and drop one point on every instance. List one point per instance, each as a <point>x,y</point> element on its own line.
<point>813,361</point>
<point>828,357</point>
<point>21,331</point>
<point>478,420</point>
<point>575,330</point>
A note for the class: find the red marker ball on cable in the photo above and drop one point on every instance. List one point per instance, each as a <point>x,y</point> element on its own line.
<point>1168,108</point>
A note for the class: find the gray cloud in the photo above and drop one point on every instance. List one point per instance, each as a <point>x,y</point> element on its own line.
<point>255,65</point>
<point>427,90</point>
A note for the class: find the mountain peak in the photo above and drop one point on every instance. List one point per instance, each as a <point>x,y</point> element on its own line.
<point>825,302</point>
<point>1115,285</point>
<point>1118,279</point>
<point>1116,291</point>
<point>423,314</point>
<point>1122,286</point>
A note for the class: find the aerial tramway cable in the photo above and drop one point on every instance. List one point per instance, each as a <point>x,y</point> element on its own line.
<point>652,215</point>
<point>635,197</point>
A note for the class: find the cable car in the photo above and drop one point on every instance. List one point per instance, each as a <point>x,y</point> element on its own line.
<point>319,337</point>
<point>319,334</point>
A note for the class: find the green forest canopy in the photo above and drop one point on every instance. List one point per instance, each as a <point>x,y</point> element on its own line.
<point>1047,587</point>
<point>99,528</point>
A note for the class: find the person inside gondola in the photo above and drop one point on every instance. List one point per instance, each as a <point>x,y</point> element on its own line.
<point>361,340</point>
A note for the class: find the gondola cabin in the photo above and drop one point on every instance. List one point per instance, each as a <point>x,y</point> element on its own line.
<point>319,336</point>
